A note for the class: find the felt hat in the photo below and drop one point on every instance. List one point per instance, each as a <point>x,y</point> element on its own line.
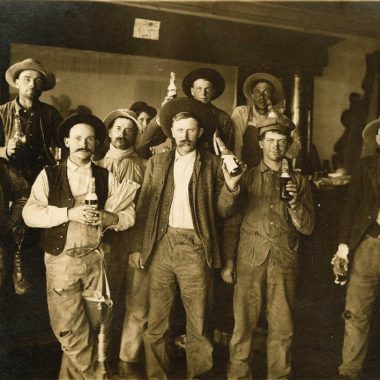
<point>74,119</point>
<point>14,71</point>
<point>122,112</point>
<point>204,73</point>
<point>139,107</point>
<point>202,112</point>
<point>252,80</point>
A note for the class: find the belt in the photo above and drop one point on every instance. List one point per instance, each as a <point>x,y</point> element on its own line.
<point>178,229</point>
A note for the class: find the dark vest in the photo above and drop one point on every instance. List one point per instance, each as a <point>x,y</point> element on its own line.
<point>53,239</point>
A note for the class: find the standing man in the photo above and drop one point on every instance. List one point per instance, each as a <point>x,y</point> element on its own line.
<point>27,126</point>
<point>359,239</point>
<point>176,234</point>
<point>123,161</point>
<point>267,252</point>
<point>260,89</point>
<point>205,85</point>
<point>70,239</point>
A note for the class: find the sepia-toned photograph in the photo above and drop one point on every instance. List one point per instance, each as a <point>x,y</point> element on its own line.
<point>189,190</point>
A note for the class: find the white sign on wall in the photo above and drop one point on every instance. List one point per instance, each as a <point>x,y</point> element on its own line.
<point>147,29</point>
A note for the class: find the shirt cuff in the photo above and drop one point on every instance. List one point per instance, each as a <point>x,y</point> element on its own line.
<point>58,214</point>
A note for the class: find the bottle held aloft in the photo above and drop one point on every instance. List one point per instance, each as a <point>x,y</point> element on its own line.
<point>341,279</point>
<point>284,179</point>
<point>172,88</point>
<point>229,159</point>
<point>91,198</point>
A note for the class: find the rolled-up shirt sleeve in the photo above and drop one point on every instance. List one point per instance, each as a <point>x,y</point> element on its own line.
<point>37,213</point>
<point>127,215</point>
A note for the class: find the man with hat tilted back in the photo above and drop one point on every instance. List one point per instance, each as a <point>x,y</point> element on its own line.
<point>205,85</point>
<point>123,161</point>
<point>176,234</point>
<point>265,94</point>
<point>359,237</point>
<point>28,126</point>
<point>70,239</point>
<point>267,251</point>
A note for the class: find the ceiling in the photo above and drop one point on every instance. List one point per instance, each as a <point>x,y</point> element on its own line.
<point>343,18</point>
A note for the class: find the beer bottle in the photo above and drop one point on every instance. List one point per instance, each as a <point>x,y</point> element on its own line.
<point>284,179</point>
<point>18,134</point>
<point>229,159</point>
<point>91,198</point>
<point>172,88</point>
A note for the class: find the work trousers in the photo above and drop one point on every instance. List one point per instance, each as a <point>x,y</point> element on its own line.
<point>362,290</point>
<point>279,285</point>
<point>74,321</point>
<point>136,315</point>
<point>179,257</point>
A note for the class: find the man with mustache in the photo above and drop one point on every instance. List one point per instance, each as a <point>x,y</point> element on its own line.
<point>176,234</point>
<point>71,237</point>
<point>27,125</point>
<point>125,164</point>
<point>204,85</point>
<point>267,252</point>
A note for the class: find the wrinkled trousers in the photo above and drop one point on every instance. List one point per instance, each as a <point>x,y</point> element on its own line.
<point>279,285</point>
<point>136,315</point>
<point>361,294</point>
<point>179,257</point>
<point>74,321</point>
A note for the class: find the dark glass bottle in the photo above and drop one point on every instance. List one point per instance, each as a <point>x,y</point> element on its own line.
<point>284,179</point>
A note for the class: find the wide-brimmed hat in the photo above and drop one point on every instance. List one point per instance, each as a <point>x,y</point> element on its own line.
<point>139,107</point>
<point>204,73</point>
<point>252,80</point>
<point>14,71</point>
<point>76,118</point>
<point>370,131</point>
<point>122,112</point>
<point>276,122</point>
<point>202,112</point>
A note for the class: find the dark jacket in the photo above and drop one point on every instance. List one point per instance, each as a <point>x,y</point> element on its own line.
<point>13,188</point>
<point>47,119</point>
<point>53,239</point>
<point>154,204</point>
<point>362,201</point>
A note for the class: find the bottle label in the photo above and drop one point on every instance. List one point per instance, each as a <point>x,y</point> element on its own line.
<point>91,202</point>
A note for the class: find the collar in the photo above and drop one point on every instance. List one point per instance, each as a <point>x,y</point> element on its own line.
<point>258,115</point>
<point>117,153</point>
<point>263,168</point>
<point>75,168</point>
<point>19,108</point>
<point>188,157</point>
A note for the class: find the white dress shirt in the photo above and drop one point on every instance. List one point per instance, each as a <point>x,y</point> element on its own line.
<point>180,212</point>
<point>38,213</point>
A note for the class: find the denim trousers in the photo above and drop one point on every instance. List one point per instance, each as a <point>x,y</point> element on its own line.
<point>74,321</point>
<point>361,294</point>
<point>254,284</point>
<point>136,314</point>
<point>179,258</point>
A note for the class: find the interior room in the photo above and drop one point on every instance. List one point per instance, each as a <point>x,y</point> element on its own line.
<point>106,55</point>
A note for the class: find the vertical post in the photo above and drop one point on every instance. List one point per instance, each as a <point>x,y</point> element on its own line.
<point>5,52</point>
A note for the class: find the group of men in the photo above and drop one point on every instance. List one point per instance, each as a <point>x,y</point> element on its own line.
<point>159,224</point>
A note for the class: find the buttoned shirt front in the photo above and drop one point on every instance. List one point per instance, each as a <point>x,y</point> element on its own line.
<point>269,224</point>
<point>180,211</point>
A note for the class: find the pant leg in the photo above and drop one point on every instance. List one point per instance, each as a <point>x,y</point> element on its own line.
<point>162,285</point>
<point>281,283</point>
<point>136,316</point>
<point>194,279</point>
<point>361,293</point>
<point>68,316</point>
<point>247,303</point>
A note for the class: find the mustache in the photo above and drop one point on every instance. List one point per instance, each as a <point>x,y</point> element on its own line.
<point>84,150</point>
<point>183,142</point>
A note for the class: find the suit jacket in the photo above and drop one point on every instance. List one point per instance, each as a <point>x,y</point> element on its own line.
<point>362,201</point>
<point>154,206</point>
